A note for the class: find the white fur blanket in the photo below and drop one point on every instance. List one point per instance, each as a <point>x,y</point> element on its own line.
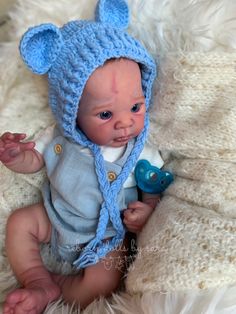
<point>186,260</point>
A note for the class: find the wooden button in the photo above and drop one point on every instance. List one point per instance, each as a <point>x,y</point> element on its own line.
<point>58,149</point>
<point>111,176</point>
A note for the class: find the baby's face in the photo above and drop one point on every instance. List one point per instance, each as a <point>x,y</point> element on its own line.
<point>112,107</point>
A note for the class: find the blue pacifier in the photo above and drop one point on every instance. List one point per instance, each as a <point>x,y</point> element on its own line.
<point>151,179</point>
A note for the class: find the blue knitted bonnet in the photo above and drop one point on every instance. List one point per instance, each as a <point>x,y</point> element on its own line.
<point>69,55</point>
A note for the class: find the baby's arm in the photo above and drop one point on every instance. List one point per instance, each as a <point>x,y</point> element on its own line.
<point>19,156</point>
<point>137,213</point>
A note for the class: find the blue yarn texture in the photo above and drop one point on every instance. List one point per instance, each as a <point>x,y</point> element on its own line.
<point>69,55</point>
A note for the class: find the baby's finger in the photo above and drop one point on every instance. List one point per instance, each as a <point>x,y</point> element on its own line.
<point>13,137</point>
<point>128,213</point>
<point>132,227</point>
<point>27,146</point>
<point>130,216</point>
<point>6,145</point>
<point>6,136</point>
<point>135,204</point>
<point>9,145</point>
<point>17,137</point>
<point>127,222</point>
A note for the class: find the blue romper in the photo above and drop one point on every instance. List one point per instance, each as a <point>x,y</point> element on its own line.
<point>72,196</point>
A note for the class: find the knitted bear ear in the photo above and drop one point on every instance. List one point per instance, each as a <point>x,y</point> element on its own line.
<point>39,47</point>
<point>113,12</point>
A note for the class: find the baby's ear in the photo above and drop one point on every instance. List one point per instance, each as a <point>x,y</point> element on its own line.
<point>40,46</point>
<point>113,12</point>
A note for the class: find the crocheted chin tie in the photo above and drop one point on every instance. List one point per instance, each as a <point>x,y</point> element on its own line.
<point>97,248</point>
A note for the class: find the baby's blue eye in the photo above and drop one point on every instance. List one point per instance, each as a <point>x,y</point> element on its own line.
<point>105,115</point>
<point>136,108</point>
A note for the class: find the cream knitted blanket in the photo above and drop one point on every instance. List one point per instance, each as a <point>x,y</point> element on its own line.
<point>189,242</point>
<point>186,260</point>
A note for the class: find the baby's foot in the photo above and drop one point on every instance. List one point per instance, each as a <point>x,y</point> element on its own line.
<point>30,300</point>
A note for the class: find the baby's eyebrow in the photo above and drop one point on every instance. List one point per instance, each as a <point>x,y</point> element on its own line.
<point>139,99</point>
<point>100,108</point>
<point>107,104</point>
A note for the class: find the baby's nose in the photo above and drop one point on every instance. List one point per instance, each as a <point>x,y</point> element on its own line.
<point>124,122</point>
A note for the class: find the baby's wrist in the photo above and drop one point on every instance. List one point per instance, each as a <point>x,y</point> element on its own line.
<point>152,202</point>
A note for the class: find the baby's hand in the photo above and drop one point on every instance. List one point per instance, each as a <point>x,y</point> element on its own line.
<point>11,146</point>
<point>136,215</point>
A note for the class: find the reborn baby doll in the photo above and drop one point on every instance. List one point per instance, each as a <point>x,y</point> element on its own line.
<point>100,82</point>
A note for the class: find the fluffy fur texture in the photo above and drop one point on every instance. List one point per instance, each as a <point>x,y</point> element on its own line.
<point>193,123</point>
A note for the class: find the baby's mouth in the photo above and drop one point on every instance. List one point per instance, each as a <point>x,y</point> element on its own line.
<point>123,138</point>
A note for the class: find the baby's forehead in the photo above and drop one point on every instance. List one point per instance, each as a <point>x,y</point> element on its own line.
<point>107,75</point>
<point>111,65</point>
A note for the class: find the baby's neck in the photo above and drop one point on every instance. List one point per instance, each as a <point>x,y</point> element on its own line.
<point>112,153</point>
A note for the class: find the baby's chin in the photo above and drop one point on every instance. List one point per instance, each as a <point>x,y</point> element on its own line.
<point>120,142</point>
<point>116,142</point>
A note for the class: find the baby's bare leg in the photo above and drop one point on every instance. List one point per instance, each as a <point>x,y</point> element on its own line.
<point>26,228</point>
<point>100,279</point>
